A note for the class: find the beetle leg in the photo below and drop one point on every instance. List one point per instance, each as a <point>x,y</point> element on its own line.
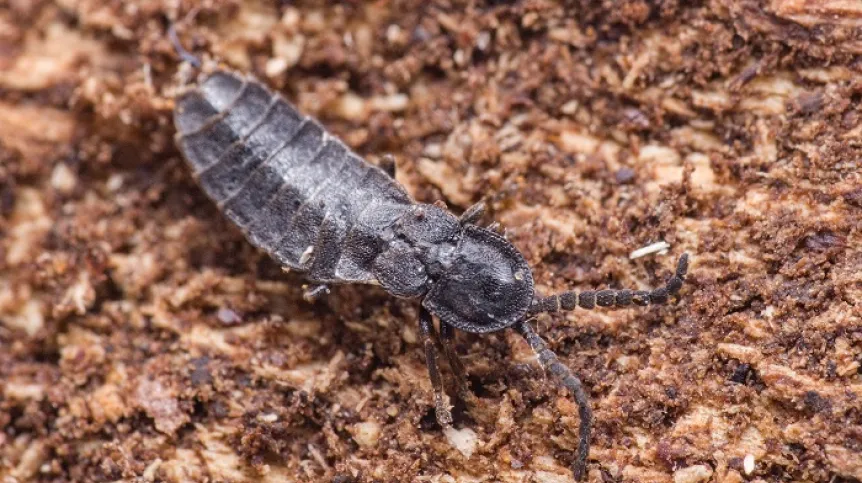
<point>473,213</point>
<point>447,337</point>
<point>441,409</point>
<point>612,298</point>
<point>496,227</point>
<point>387,164</point>
<point>313,292</point>
<point>184,54</point>
<point>568,380</point>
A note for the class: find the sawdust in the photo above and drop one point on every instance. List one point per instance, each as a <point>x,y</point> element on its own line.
<point>141,338</point>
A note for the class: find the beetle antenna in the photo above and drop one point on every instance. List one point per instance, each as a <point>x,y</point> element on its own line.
<point>568,380</point>
<point>612,298</point>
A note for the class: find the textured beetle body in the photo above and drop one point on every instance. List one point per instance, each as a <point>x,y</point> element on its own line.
<point>313,205</point>
<point>316,207</point>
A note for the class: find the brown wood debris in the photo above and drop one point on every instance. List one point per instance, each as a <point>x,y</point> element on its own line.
<point>143,339</point>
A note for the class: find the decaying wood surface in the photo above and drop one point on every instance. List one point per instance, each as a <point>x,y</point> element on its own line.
<point>141,337</point>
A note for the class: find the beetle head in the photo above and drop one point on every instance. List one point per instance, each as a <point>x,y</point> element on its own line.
<point>487,287</point>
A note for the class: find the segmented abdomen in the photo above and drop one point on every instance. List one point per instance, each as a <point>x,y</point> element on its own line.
<point>281,178</point>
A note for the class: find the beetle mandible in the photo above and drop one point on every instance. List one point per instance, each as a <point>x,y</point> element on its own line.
<point>304,198</point>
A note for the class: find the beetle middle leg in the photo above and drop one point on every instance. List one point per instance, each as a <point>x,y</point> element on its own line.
<point>426,328</point>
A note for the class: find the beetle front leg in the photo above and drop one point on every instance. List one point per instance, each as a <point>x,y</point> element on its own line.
<point>426,328</point>
<point>447,338</point>
<point>550,363</point>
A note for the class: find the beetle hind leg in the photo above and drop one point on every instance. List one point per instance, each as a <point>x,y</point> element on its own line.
<point>315,292</point>
<point>441,407</point>
<point>181,51</point>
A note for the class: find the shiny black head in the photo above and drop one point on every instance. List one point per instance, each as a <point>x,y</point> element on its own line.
<point>487,287</point>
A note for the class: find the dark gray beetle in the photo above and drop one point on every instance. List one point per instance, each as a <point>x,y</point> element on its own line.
<point>302,196</point>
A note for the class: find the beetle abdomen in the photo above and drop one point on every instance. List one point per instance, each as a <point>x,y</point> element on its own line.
<point>281,178</point>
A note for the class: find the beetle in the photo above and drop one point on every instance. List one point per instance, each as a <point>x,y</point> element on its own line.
<point>302,196</point>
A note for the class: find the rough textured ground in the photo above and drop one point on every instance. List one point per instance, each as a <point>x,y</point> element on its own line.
<point>143,339</point>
